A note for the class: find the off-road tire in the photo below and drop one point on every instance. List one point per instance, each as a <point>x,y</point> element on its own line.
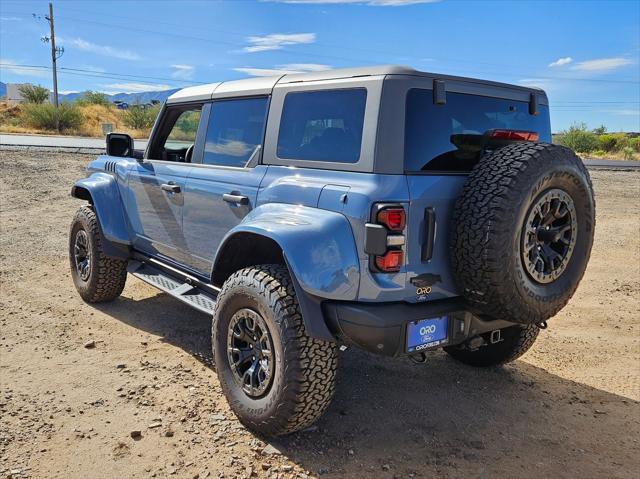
<point>107,276</point>
<point>303,381</point>
<point>516,340</point>
<point>488,226</point>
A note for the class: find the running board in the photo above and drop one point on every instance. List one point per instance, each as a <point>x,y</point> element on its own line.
<point>180,289</point>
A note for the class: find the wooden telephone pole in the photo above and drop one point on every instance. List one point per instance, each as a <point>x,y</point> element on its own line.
<point>55,54</point>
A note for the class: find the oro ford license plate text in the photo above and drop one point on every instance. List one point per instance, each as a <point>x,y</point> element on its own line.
<point>427,333</point>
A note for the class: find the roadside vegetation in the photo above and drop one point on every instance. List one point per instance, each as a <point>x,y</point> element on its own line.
<point>599,143</point>
<point>83,117</point>
<point>86,116</point>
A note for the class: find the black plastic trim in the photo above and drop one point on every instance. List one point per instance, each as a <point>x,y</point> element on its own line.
<point>429,233</point>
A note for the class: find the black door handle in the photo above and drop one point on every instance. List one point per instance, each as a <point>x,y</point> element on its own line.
<point>170,187</point>
<point>237,199</point>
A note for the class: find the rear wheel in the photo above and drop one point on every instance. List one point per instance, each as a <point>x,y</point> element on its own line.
<point>97,277</point>
<point>515,341</point>
<point>277,379</point>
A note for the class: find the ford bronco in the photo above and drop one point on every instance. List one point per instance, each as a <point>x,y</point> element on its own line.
<point>391,209</point>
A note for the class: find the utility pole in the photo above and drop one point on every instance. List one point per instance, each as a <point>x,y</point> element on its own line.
<point>56,52</point>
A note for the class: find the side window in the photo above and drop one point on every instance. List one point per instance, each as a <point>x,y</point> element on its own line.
<point>176,135</point>
<point>322,125</point>
<point>183,133</point>
<point>235,131</point>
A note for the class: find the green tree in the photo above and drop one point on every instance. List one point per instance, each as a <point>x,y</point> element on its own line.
<point>601,130</point>
<point>93,98</point>
<point>33,93</point>
<point>140,118</point>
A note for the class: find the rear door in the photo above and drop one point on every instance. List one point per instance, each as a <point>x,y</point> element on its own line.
<point>222,187</point>
<point>155,196</point>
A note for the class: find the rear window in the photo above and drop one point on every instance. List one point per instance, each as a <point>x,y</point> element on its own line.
<point>322,125</point>
<point>450,137</point>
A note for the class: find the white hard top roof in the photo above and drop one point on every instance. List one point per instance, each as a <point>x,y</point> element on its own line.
<point>264,85</point>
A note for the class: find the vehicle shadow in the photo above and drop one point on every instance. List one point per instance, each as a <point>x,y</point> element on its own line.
<point>394,418</point>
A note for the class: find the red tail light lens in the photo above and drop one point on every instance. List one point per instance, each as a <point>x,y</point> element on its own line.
<point>515,135</point>
<point>390,262</point>
<point>393,218</point>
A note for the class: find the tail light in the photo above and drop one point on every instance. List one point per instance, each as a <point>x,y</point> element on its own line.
<point>514,135</point>
<point>394,218</point>
<point>391,261</point>
<point>384,240</point>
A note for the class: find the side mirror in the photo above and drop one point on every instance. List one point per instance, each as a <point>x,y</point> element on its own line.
<point>119,144</point>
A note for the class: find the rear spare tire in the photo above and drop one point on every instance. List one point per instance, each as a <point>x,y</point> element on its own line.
<point>522,231</point>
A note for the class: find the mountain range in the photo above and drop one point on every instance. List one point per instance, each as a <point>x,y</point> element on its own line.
<point>131,98</point>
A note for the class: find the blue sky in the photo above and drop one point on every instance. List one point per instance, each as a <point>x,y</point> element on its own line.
<point>585,54</point>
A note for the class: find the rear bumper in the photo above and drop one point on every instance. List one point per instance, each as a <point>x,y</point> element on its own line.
<point>382,327</point>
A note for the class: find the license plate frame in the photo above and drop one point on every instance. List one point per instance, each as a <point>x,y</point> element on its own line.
<point>427,333</point>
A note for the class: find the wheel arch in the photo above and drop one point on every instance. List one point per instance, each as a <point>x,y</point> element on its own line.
<point>102,192</point>
<point>317,246</point>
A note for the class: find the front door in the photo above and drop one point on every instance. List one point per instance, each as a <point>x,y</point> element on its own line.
<point>223,188</point>
<point>156,185</point>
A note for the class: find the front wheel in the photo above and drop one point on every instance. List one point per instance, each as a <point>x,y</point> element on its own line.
<point>277,379</point>
<point>97,277</point>
<point>515,341</point>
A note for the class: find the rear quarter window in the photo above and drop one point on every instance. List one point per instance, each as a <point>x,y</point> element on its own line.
<point>449,137</point>
<point>322,125</point>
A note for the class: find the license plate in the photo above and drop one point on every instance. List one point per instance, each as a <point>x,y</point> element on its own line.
<point>427,333</point>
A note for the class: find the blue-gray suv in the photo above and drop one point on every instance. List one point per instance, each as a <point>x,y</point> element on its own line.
<point>391,209</point>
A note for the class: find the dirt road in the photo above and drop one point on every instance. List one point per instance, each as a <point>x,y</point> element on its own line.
<point>568,408</point>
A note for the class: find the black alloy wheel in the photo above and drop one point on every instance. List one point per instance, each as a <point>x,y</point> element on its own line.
<point>549,236</point>
<point>250,352</point>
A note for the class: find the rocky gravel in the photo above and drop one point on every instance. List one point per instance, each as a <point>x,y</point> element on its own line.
<point>127,389</point>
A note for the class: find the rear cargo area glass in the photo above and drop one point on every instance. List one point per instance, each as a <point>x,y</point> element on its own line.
<point>451,137</point>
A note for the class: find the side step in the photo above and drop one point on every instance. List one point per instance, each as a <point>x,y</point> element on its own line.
<point>179,288</point>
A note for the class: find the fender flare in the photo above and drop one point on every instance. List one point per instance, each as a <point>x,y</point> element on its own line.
<point>101,190</point>
<point>319,250</point>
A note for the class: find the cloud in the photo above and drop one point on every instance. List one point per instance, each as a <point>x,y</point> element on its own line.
<point>602,64</point>
<point>282,69</point>
<point>561,61</point>
<point>135,87</point>
<point>183,72</point>
<point>12,67</point>
<point>276,41</point>
<point>373,3</point>
<point>10,19</point>
<point>103,50</point>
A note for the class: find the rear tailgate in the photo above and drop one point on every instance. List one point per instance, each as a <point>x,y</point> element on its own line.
<point>432,199</point>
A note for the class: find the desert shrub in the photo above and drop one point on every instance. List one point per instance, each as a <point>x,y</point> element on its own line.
<point>43,116</point>
<point>34,93</point>
<point>607,142</point>
<point>635,143</point>
<point>628,153</point>
<point>598,153</point>
<point>93,98</point>
<point>140,118</point>
<point>578,138</point>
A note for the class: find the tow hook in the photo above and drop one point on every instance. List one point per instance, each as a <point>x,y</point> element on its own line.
<point>495,337</point>
<point>419,358</point>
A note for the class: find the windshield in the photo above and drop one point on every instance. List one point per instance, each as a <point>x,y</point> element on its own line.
<point>451,137</point>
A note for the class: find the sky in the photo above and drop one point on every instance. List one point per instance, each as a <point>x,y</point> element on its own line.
<point>584,54</point>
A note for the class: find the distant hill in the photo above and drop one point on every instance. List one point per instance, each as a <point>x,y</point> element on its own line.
<point>131,98</point>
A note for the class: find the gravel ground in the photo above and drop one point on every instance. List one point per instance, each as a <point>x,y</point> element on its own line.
<point>568,408</point>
